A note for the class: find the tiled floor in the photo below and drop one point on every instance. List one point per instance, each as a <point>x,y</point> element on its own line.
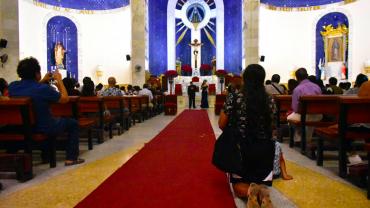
<point>106,158</point>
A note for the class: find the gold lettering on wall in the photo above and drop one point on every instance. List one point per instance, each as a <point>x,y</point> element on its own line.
<point>39,4</point>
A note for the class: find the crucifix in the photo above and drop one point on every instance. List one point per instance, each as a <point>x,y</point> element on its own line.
<point>196,45</point>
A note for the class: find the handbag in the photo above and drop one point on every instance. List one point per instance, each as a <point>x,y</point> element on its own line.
<point>227,155</point>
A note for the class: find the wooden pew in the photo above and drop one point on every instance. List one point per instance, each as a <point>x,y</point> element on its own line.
<point>353,110</point>
<point>146,111</point>
<point>127,105</point>
<point>135,107</point>
<point>170,105</point>
<point>116,107</point>
<point>95,106</point>
<point>367,149</point>
<point>18,113</point>
<point>315,104</point>
<point>283,106</point>
<point>219,104</point>
<point>70,110</point>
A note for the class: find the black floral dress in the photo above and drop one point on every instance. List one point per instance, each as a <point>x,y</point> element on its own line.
<point>258,153</point>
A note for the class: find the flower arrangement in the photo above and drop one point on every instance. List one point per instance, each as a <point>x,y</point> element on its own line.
<point>171,73</point>
<point>205,69</point>
<point>221,72</point>
<point>186,70</point>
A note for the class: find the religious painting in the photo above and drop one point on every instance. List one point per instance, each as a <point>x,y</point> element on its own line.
<point>335,49</point>
<point>335,43</point>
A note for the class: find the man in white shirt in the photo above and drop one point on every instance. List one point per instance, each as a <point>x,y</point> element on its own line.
<point>274,88</point>
<point>147,92</point>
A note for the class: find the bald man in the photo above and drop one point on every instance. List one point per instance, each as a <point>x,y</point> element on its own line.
<point>112,90</point>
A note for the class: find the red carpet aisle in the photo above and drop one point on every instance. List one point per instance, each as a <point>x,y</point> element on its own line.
<point>173,170</point>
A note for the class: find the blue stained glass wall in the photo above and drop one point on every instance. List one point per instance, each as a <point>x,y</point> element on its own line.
<point>63,30</point>
<point>158,36</point>
<point>233,36</point>
<point>334,18</point>
<point>208,50</point>
<point>183,50</point>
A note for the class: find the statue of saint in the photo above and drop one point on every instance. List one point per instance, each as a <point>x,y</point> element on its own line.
<point>59,52</point>
<point>214,64</point>
<point>178,65</point>
<point>196,45</point>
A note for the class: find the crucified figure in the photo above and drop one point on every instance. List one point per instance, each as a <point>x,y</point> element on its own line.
<point>196,45</point>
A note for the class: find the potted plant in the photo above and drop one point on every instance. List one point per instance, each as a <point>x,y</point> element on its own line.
<point>205,70</point>
<point>186,70</point>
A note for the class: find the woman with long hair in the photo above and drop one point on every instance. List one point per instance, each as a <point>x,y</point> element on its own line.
<point>250,110</point>
<point>204,100</point>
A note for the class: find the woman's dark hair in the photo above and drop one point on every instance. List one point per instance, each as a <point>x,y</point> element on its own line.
<point>28,68</point>
<point>99,87</point>
<point>88,89</point>
<point>3,85</point>
<point>292,84</point>
<point>68,84</point>
<point>257,102</point>
<point>361,78</point>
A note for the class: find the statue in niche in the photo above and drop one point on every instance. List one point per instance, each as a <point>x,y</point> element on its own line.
<point>196,45</point>
<point>213,61</point>
<point>178,65</point>
<point>59,52</point>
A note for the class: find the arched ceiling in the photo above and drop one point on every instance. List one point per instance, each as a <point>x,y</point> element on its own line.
<point>88,4</point>
<point>298,3</point>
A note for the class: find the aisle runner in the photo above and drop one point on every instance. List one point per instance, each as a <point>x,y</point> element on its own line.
<point>173,170</point>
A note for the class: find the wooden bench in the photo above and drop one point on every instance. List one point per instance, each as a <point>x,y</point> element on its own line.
<point>18,121</point>
<point>115,104</point>
<point>367,149</point>
<point>353,109</point>
<point>135,107</point>
<point>93,107</point>
<point>314,104</point>
<point>170,105</point>
<point>219,104</point>
<point>283,106</point>
<point>70,110</point>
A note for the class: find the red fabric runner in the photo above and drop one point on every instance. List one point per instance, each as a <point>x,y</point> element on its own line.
<point>173,170</point>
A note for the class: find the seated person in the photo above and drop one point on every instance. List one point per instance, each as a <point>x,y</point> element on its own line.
<point>42,94</point>
<point>88,87</point>
<point>333,88</point>
<point>146,91</point>
<point>360,79</point>
<point>112,90</point>
<point>305,87</point>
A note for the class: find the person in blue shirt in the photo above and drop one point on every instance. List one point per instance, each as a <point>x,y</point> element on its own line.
<point>42,95</point>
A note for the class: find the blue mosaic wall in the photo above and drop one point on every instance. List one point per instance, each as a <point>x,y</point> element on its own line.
<point>183,50</point>
<point>158,36</point>
<point>88,4</point>
<point>298,3</point>
<point>208,50</point>
<point>62,29</point>
<point>233,36</point>
<point>334,18</point>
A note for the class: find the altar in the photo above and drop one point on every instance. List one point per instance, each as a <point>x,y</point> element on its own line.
<point>185,82</point>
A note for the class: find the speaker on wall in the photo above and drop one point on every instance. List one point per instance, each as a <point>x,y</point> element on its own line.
<point>128,57</point>
<point>3,43</point>
<point>262,59</point>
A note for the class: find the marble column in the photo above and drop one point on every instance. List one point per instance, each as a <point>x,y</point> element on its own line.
<point>251,32</point>
<point>138,9</point>
<point>9,30</point>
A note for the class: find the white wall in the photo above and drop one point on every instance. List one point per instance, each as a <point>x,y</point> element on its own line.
<point>287,39</point>
<point>103,39</point>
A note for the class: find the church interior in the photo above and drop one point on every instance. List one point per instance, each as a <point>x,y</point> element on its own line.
<point>143,141</point>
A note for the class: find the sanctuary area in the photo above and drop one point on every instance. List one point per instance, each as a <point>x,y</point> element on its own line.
<point>185,103</point>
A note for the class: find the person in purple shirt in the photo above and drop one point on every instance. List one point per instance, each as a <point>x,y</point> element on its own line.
<point>42,95</point>
<point>305,87</point>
